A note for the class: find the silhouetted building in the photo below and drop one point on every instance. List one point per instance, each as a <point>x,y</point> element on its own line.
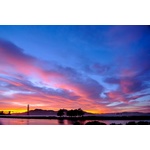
<point>28,109</point>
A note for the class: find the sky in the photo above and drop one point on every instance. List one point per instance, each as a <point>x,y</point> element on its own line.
<point>98,68</point>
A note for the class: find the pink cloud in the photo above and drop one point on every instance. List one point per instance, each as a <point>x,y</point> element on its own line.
<point>15,60</point>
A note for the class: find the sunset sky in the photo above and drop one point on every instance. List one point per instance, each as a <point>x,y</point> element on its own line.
<point>101,69</point>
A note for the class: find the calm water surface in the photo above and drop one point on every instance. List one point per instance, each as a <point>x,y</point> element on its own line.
<point>14,121</point>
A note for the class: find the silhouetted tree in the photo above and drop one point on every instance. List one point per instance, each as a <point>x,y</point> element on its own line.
<point>60,112</point>
<point>75,112</point>
<point>80,112</point>
<point>71,113</point>
<point>68,113</point>
<point>1,112</point>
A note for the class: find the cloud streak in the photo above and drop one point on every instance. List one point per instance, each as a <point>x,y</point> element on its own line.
<point>112,75</point>
<point>26,78</point>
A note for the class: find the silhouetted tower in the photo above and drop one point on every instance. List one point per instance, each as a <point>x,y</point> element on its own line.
<point>28,109</point>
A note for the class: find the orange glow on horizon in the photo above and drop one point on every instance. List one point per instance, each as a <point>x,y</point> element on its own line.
<point>13,111</point>
<point>24,110</point>
<point>93,111</point>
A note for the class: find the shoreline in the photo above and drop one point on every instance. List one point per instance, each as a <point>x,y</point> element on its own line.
<point>79,118</point>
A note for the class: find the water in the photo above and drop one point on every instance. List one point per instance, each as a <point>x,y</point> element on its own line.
<point>14,121</point>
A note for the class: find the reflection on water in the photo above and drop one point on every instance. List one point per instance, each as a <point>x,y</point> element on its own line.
<point>13,121</point>
<point>1,123</point>
<point>71,121</point>
<point>61,121</point>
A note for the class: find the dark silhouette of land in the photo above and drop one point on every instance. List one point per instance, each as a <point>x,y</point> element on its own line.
<point>128,123</point>
<point>77,115</point>
<point>79,118</point>
<point>95,123</point>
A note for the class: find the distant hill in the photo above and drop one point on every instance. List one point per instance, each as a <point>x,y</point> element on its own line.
<point>126,114</point>
<point>39,112</point>
<point>54,113</point>
<point>43,112</point>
